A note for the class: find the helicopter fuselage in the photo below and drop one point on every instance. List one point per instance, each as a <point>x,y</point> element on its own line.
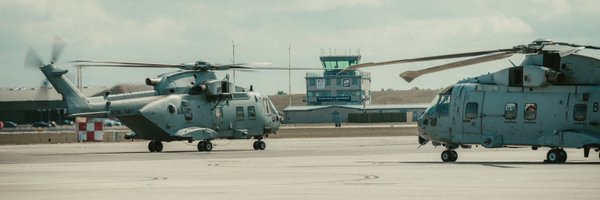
<point>498,116</point>
<point>245,115</point>
<point>184,105</point>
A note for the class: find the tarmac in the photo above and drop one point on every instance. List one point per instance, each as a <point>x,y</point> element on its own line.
<point>291,168</point>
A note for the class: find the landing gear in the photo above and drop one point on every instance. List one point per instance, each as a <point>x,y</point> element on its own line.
<point>449,155</point>
<point>556,156</point>
<point>205,145</point>
<point>259,145</point>
<point>155,146</point>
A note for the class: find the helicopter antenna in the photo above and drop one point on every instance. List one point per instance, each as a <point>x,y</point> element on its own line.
<point>511,62</point>
<point>233,59</point>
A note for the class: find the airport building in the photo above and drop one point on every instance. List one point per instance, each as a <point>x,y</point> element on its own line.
<point>27,105</point>
<point>340,95</point>
<point>337,87</point>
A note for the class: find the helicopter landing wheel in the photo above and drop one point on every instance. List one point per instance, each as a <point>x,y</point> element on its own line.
<point>155,146</point>
<point>449,156</point>
<point>205,146</point>
<point>259,145</point>
<point>556,156</point>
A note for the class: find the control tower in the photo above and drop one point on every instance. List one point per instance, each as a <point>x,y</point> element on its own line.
<point>351,87</point>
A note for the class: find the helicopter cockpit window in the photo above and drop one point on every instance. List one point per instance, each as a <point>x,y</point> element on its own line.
<point>251,112</point>
<point>239,113</point>
<point>266,107</point>
<point>510,111</point>
<point>443,106</point>
<point>580,112</point>
<point>530,111</point>
<point>471,110</point>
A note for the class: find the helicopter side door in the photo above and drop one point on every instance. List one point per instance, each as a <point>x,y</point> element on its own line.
<point>595,110</point>
<point>472,117</point>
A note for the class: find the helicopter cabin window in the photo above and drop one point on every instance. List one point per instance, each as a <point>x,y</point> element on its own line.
<point>239,113</point>
<point>443,106</point>
<point>580,112</point>
<point>510,111</point>
<point>219,112</point>
<point>471,110</point>
<point>187,110</point>
<point>251,112</point>
<point>530,111</point>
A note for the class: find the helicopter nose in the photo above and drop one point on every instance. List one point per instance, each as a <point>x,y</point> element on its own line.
<point>160,110</point>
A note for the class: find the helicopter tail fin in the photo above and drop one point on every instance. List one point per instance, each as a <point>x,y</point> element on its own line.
<point>76,102</point>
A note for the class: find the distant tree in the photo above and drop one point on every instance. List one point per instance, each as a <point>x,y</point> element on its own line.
<point>390,89</point>
<point>415,88</point>
<point>281,92</point>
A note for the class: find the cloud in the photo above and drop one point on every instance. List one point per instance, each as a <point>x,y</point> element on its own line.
<point>316,5</point>
<point>182,31</point>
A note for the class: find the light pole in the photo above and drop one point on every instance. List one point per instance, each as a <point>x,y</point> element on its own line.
<point>290,74</point>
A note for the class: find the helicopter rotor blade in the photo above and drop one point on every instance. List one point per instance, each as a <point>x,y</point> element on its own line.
<point>250,63</point>
<point>286,69</point>
<point>127,65</point>
<point>429,58</point>
<point>32,59</point>
<point>57,46</point>
<point>100,63</point>
<point>408,76</point>
<point>577,45</point>
<point>570,51</point>
<point>226,67</point>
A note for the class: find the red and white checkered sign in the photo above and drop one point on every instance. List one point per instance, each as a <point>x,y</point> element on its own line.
<point>90,131</point>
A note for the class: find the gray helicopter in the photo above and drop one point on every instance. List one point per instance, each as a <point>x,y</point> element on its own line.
<point>187,105</point>
<point>550,100</point>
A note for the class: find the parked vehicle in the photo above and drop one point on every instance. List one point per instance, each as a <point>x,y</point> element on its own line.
<point>10,124</point>
<point>110,123</point>
<point>66,122</point>
<point>41,124</point>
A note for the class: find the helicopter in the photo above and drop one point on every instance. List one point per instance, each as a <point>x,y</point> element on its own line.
<point>190,104</point>
<point>550,100</point>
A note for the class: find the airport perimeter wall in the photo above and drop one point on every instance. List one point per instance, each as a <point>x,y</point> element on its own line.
<point>285,132</point>
<point>56,137</point>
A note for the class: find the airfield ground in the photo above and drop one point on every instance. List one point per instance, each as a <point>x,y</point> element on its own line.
<point>291,168</point>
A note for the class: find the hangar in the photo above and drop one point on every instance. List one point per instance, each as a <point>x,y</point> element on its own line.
<point>26,105</point>
<point>353,113</point>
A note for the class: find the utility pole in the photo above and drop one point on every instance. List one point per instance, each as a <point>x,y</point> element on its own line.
<point>290,73</point>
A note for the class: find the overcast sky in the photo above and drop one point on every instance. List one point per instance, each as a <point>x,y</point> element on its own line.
<point>184,31</point>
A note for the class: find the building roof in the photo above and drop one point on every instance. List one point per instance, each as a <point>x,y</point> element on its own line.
<point>41,94</point>
<point>360,107</point>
